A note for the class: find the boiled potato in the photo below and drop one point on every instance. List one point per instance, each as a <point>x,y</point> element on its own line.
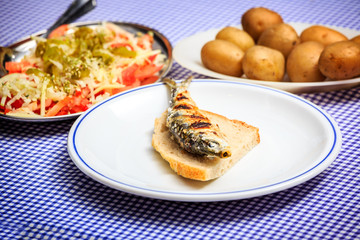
<point>263,63</point>
<point>223,57</point>
<point>282,37</point>
<point>340,60</point>
<point>302,63</point>
<point>356,39</point>
<point>237,36</point>
<point>255,20</point>
<point>322,34</point>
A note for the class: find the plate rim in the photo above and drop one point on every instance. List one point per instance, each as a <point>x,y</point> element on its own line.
<point>165,42</point>
<point>293,87</point>
<point>208,196</point>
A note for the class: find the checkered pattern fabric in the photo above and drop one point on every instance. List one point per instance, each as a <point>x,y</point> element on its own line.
<point>45,196</point>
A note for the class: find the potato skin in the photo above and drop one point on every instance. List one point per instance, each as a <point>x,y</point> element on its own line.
<point>282,37</point>
<point>223,57</point>
<point>322,34</point>
<point>237,36</point>
<point>263,63</point>
<point>356,39</point>
<point>302,62</point>
<point>255,20</point>
<point>340,60</point>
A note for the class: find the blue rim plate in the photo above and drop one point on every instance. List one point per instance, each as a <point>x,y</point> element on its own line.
<point>111,142</point>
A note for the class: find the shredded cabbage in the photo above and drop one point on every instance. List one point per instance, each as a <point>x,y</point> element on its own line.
<point>102,59</point>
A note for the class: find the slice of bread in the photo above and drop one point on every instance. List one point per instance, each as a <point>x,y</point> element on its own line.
<point>240,136</point>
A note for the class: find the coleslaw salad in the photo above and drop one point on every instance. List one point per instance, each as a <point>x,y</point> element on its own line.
<point>77,67</point>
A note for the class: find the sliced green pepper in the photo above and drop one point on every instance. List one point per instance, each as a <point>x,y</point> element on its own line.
<point>123,52</point>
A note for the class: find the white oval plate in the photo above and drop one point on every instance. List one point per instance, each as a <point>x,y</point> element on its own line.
<point>187,54</point>
<point>111,142</point>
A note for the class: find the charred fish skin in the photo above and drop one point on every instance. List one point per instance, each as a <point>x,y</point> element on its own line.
<point>190,128</point>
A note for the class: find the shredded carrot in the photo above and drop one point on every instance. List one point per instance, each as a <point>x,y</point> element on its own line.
<point>57,107</point>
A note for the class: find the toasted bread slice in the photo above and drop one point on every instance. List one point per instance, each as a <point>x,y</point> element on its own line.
<point>241,138</point>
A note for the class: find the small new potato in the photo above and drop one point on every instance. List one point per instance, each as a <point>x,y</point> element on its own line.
<point>340,60</point>
<point>263,63</point>
<point>356,39</point>
<point>322,34</point>
<point>255,20</point>
<point>282,37</point>
<point>302,62</point>
<point>223,57</point>
<point>237,36</point>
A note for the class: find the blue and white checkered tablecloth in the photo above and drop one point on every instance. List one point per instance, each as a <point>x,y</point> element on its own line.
<point>45,196</point>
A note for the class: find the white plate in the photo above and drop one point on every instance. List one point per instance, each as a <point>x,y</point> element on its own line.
<point>187,54</point>
<point>111,142</point>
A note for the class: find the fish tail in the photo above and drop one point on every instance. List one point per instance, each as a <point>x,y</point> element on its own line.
<point>170,82</point>
<point>183,85</point>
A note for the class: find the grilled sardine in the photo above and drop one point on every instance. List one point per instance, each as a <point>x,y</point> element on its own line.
<point>189,127</point>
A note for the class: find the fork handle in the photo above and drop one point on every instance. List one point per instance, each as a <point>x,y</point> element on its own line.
<point>76,9</point>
